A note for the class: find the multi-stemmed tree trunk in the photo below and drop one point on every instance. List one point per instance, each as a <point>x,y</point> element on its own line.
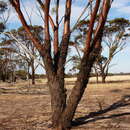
<point>63,110</point>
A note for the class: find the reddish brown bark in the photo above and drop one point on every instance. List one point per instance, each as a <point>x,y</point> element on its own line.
<point>16,5</point>
<point>91,25</point>
<point>50,18</point>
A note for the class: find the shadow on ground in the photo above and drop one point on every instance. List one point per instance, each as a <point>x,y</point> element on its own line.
<point>116,91</point>
<point>95,116</point>
<point>24,91</point>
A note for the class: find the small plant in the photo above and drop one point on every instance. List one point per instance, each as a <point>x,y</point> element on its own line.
<point>101,103</point>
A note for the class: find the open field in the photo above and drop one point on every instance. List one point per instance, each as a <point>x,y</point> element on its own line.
<point>103,106</point>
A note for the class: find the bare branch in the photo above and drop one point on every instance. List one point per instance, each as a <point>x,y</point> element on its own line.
<point>84,10</point>
<point>16,5</point>
<point>46,17</point>
<point>25,50</point>
<point>50,18</point>
<point>67,17</point>
<point>91,25</point>
<point>56,35</point>
<point>66,36</point>
<point>102,19</point>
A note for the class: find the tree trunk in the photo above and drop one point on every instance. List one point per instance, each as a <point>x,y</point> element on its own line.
<point>28,74</point>
<point>3,78</point>
<point>58,100</point>
<point>33,72</point>
<point>97,78</point>
<point>103,78</point>
<point>96,74</point>
<point>63,117</point>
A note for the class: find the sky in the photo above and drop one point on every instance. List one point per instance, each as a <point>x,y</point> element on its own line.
<point>120,8</point>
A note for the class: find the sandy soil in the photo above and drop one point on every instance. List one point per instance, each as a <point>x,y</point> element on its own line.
<point>103,106</point>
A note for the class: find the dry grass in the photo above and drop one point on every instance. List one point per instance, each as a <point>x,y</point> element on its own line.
<point>109,78</point>
<point>26,107</point>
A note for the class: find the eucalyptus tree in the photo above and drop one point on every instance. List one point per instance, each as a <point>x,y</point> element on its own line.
<point>24,47</point>
<point>114,40</point>
<point>3,8</point>
<point>115,36</point>
<point>54,53</point>
<point>8,64</point>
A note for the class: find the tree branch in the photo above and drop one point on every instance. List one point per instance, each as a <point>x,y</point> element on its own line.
<point>102,19</point>
<point>50,18</point>
<point>85,68</point>
<point>56,35</point>
<point>91,25</point>
<point>46,17</point>
<point>67,17</point>
<point>16,5</point>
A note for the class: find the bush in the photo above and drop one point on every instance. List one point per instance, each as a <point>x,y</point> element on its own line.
<point>22,74</point>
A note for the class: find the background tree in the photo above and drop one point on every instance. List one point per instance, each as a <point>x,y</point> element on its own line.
<point>115,34</point>
<point>63,110</point>
<point>3,8</point>
<point>114,37</point>
<point>8,64</point>
<point>24,48</point>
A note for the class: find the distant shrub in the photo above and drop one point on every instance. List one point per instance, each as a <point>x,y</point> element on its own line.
<point>22,74</point>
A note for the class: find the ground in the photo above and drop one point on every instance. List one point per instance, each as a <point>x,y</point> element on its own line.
<point>103,106</point>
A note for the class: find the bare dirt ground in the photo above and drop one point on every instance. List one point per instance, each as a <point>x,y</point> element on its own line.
<point>103,106</point>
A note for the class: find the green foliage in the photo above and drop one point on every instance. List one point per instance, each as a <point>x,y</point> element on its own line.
<point>3,6</point>
<point>114,36</point>
<point>22,74</point>
<point>76,63</point>
<point>117,24</point>
<point>101,59</point>
<point>20,33</point>
<point>53,10</point>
